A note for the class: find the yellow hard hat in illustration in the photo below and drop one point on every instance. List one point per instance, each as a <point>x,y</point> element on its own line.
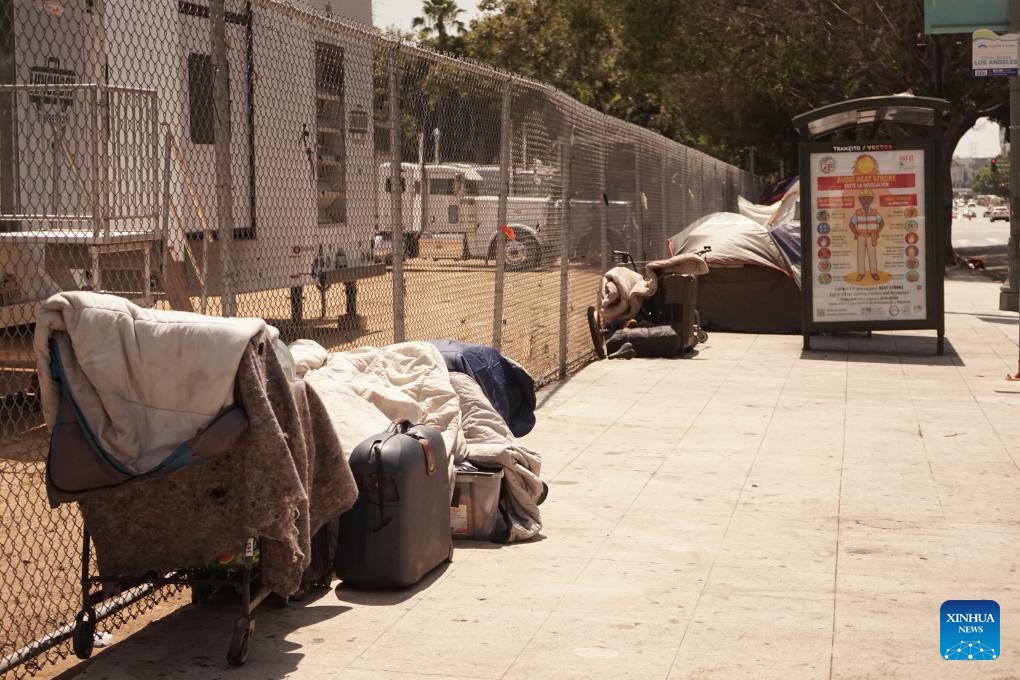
<point>866,193</point>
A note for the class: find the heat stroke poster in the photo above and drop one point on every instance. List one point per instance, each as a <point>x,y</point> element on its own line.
<point>868,235</point>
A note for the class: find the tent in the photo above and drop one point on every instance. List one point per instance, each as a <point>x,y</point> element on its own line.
<point>753,282</point>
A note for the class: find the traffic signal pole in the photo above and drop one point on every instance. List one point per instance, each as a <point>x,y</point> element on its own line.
<point>1009,300</point>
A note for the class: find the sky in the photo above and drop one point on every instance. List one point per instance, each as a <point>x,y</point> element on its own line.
<point>981,141</point>
<point>386,13</point>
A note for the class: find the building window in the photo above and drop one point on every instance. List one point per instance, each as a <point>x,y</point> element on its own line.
<point>330,135</point>
<point>201,111</point>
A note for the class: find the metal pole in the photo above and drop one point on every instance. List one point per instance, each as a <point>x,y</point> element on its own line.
<point>604,206</point>
<point>154,149</point>
<point>639,201</point>
<point>663,205</point>
<point>97,186</point>
<point>396,199</point>
<point>564,163</point>
<point>95,75</point>
<point>1009,293</point>
<point>103,100</point>
<point>423,188</point>
<point>221,123</point>
<point>164,216</point>
<point>1010,299</point>
<point>504,185</point>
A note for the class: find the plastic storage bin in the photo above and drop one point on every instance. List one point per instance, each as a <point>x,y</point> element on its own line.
<point>475,504</point>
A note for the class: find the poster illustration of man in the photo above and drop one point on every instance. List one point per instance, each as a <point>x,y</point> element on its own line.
<point>873,197</point>
<point>866,225</point>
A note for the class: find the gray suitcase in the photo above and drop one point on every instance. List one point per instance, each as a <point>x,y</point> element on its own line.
<point>399,529</point>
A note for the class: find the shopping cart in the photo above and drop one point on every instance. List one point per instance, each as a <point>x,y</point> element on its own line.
<point>649,314</point>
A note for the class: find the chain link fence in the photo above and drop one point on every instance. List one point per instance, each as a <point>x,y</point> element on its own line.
<point>257,159</point>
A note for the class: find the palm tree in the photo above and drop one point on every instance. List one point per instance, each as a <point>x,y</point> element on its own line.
<point>438,17</point>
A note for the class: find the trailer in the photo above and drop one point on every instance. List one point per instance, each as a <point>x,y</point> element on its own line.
<point>450,211</point>
<point>108,173</point>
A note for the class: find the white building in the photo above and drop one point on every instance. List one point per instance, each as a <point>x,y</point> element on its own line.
<point>116,170</point>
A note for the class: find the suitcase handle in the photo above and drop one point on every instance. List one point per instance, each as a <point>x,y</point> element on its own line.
<point>383,519</point>
<point>426,447</point>
<point>400,426</point>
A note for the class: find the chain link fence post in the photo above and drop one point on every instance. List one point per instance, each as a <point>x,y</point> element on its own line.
<point>564,163</point>
<point>501,212</point>
<point>396,197</point>
<point>603,159</point>
<point>664,207</point>
<point>639,199</point>
<point>221,123</point>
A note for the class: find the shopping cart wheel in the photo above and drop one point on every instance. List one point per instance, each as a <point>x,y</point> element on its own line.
<point>244,628</point>
<point>595,328</point>
<point>201,592</point>
<point>702,336</point>
<point>83,636</point>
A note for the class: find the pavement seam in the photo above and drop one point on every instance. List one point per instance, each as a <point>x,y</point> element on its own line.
<point>743,486</point>
<point>636,403</point>
<point>839,512</point>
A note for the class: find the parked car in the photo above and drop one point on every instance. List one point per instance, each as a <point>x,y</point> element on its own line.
<point>1000,212</point>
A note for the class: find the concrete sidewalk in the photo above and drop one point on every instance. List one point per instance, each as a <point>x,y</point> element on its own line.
<point>751,512</point>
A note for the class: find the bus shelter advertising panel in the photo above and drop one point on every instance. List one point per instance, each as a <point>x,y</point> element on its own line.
<point>868,245</point>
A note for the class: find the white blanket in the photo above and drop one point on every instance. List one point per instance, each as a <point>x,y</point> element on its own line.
<point>145,380</point>
<point>491,444</point>
<point>366,389</point>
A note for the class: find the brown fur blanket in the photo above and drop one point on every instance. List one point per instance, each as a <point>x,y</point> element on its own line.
<point>284,478</point>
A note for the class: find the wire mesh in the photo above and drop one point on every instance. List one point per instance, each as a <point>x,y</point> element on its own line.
<point>255,158</point>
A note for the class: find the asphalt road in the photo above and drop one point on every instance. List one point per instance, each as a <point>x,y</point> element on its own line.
<point>979,233</point>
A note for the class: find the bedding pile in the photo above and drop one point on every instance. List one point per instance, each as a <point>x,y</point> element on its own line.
<point>367,388</point>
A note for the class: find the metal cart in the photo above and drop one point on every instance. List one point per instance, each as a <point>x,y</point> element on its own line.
<point>671,311</point>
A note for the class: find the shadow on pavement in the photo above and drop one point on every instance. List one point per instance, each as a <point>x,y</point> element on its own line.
<point>881,349</point>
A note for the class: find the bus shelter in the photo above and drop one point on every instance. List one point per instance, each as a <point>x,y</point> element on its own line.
<point>872,220</point>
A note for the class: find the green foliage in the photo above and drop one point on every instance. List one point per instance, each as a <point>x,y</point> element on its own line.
<point>570,44</point>
<point>996,182</point>
<point>724,75</point>
<point>434,26</point>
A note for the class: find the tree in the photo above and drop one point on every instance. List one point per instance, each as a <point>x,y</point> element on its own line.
<point>992,179</point>
<point>723,75</point>
<point>569,44</point>
<point>434,26</point>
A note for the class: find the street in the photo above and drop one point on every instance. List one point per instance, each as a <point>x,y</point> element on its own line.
<point>979,232</point>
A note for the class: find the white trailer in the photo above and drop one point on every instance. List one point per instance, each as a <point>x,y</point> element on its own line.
<point>107,153</point>
<point>454,214</point>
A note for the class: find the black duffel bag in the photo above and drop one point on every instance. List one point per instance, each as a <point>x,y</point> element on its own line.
<point>647,341</point>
